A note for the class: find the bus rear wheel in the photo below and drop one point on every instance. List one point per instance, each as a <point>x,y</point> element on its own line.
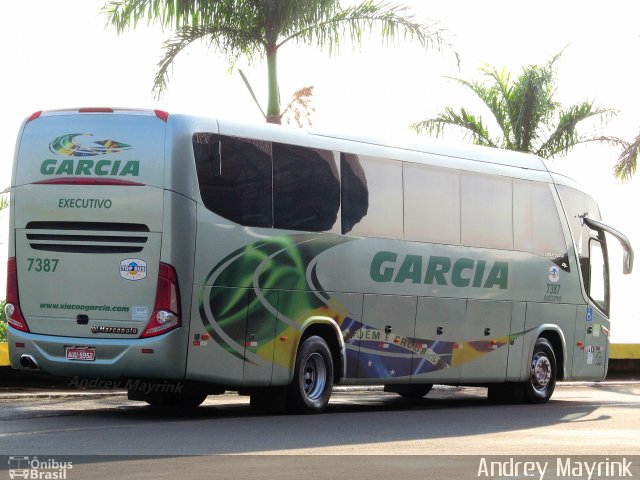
<point>543,373</point>
<point>312,378</point>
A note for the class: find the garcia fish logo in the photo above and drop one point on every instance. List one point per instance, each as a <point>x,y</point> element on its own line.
<point>133,269</point>
<point>74,145</point>
<point>71,145</point>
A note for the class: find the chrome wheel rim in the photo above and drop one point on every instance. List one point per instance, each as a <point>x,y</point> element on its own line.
<point>314,376</point>
<point>540,372</point>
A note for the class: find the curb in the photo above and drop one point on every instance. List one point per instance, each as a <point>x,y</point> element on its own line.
<point>18,395</point>
<point>624,351</point>
<point>4,354</point>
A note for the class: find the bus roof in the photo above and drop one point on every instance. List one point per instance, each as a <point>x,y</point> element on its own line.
<point>399,147</point>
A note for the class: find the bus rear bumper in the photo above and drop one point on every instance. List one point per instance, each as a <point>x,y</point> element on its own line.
<point>161,357</point>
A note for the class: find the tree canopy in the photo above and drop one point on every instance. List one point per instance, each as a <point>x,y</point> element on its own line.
<point>257,29</point>
<point>524,109</point>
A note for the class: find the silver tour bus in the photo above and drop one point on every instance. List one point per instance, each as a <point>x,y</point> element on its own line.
<point>164,250</point>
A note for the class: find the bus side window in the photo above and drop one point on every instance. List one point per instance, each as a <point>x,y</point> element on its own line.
<point>234,176</point>
<point>306,188</point>
<point>486,211</point>
<point>354,193</point>
<point>372,196</point>
<point>431,204</point>
<point>536,224</point>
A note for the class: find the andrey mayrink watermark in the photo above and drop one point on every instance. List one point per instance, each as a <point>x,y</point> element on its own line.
<point>41,469</point>
<point>130,384</point>
<point>561,468</point>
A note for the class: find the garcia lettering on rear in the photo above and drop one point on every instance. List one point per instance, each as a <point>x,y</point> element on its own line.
<point>118,168</point>
<point>461,272</point>
<point>82,145</point>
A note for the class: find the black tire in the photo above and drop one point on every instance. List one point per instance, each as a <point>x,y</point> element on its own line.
<point>414,392</point>
<point>312,378</point>
<point>542,373</point>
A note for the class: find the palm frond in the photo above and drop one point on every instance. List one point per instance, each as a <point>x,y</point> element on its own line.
<point>471,125</point>
<point>501,91</point>
<point>251,92</point>
<point>124,14</point>
<point>566,135</point>
<point>493,98</point>
<point>229,42</point>
<point>393,22</point>
<point>628,160</point>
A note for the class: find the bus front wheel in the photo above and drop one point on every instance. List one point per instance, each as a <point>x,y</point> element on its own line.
<point>543,373</point>
<point>312,378</point>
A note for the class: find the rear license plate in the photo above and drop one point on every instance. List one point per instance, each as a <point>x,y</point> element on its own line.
<point>81,353</point>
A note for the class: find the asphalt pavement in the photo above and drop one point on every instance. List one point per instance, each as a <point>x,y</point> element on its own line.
<point>25,384</point>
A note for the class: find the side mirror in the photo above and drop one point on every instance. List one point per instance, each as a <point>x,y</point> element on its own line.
<point>627,262</point>
<point>627,259</point>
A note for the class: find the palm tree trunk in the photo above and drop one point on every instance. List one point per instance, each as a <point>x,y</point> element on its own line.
<point>273,105</point>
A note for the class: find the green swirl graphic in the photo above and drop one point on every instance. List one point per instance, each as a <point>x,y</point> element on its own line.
<point>66,145</point>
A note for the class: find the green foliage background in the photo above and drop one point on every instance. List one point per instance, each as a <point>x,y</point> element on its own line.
<point>3,322</point>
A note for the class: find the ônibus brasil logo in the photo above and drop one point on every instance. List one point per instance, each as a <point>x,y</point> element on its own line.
<point>82,145</point>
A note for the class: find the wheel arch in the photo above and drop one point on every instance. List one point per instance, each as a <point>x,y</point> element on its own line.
<point>554,335</point>
<point>329,331</point>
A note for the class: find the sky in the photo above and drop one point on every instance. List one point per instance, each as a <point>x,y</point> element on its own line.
<point>60,55</point>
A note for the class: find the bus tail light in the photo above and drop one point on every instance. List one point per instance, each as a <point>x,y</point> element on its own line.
<point>162,115</point>
<point>166,312</point>
<point>12,307</point>
<point>34,115</point>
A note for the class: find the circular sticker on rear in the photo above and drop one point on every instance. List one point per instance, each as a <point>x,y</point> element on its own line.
<point>554,273</point>
<point>133,269</point>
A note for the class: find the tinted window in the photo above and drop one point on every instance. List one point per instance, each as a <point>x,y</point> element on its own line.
<point>354,192</point>
<point>306,188</point>
<point>486,211</point>
<point>372,197</point>
<point>431,204</point>
<point>234,176</point>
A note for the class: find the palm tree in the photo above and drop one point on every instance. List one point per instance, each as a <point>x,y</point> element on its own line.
<point>524,109</point>
<point>255,29</point>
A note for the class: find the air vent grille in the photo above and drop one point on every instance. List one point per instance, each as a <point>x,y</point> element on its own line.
<point>87,237</point>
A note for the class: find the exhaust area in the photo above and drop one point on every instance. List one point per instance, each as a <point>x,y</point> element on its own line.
<point>27,361</point>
